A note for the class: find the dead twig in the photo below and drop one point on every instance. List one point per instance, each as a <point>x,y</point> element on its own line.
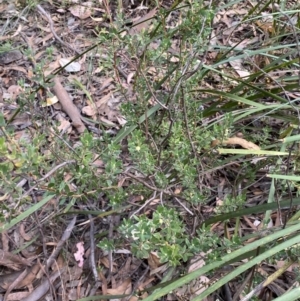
<point>15,283</point>
<point>68,105</point>
<point>47,175</point>
<point>44,13</point>
<point>165,191</point>
<point>92,257</point>
<point>60,244</point>
<point>144,205</point>
<point>41,290</point>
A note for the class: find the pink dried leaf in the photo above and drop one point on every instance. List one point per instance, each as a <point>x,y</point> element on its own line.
<point>79,254</point>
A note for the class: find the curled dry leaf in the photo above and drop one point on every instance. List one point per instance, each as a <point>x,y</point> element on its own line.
<point>79,254</point>
<point>14,91</point>
<point>236,141</point>
<point>153,260</point>
<point>82,11</point>
<point>23,233</point>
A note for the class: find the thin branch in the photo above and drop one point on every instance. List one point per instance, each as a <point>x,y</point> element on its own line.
<point>62,241</point>
<point>92,256</point>
<point>47,175</point>
<point>44,13</point>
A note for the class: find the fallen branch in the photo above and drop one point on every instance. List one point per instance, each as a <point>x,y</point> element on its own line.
<point>66,235</point>
<point>68,105</point>
<point>42,289</point>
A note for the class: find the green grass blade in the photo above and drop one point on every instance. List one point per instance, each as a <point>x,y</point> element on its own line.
<point>290,296</point>
<point>227,258</point>
<point>291,139</point>
<point>267,254</point>
<point>26,213</point>
<point>284,177</point>
<point>223,151</point>
<point>247,211</point>
<point>126,131</point>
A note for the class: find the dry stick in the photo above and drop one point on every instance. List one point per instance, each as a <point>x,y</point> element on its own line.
<point>43,12</point>
<point>39,226</point>
<point>15,283</point>
<point>138,282</point>
<point>44,287</point>
<point>110,237</point>
<point>92,257</point>
<point>60,244</point>
<point>186,209</point>
<point>45,270</point>
<point>68,105</point>
<point>147,185</point>
<point>144,205</point>
<point>41,290</point>
<point>47,175</point>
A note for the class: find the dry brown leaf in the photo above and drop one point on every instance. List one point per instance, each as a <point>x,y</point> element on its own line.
<point>5,241</point>
<point>52,66</point>
<point>82,11</point>
<point>153,260</point>
<point>122,288</point>
<point>12,261</point>
<point>105,262</point>
<point>103,101</point>
<point>29,276</point>
<point>142,23</point>
<point>22,232</point>
<point>65,126</point>
<point>14,91</point>
<point>88,111</point>
<point>237,141</point>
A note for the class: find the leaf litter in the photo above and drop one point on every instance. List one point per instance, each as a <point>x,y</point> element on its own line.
<point>123,274</point>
